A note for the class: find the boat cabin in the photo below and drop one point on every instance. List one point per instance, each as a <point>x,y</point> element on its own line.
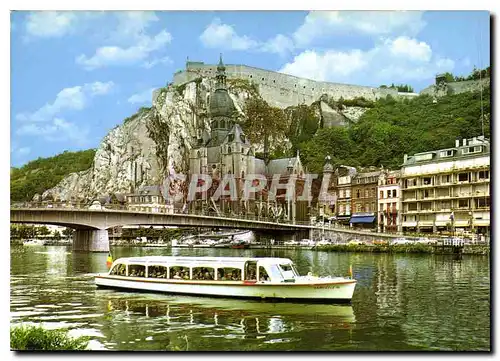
<point>207,268</point>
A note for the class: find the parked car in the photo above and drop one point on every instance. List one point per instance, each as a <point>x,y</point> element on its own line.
<point>291,243</point>
<point>380,242</point>
<point>400,241</point>
<point>324,242</point>
<point>307,242</point>
<point>355,242</point>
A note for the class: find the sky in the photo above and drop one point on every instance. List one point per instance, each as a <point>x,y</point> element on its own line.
<point>76,75</point>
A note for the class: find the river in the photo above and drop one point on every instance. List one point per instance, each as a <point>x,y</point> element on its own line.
<point>401,302</point>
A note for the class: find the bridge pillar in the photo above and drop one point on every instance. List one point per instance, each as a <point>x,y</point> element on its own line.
<point>91,240</point>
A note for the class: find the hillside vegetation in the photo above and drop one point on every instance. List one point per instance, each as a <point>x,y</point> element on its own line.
<point>384,133</point>
<point>44,173</point>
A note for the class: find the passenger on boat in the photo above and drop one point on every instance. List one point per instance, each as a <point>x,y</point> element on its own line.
<point>177,275</point>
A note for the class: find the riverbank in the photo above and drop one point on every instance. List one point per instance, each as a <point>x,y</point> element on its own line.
<point>407,248</point>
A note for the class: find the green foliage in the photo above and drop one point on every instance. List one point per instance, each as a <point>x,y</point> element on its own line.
<point>238,84</point>
<point>398,248</point>
<point>179,89</point>
<point>476,74</point>
<point>334,142</point>
<point>403,88</point>
<point>263,120</point>
<point>303,124</point>
<point>29,338</point>
<point>384,133</point>
<point>341,103</point>
<point>44,173</point>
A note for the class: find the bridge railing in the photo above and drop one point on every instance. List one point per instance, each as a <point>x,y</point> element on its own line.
<point>159,210</point>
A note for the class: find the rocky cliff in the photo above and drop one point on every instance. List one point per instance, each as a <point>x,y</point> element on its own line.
<point>156,141</point>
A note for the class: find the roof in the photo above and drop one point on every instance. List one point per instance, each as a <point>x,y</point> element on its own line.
<point>280,166</point>
<point>238,136</point>
<point>197,260</point>
<point>434,156</point>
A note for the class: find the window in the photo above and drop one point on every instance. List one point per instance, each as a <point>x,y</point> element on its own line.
<point>484,174</point>
<point>483,202</point>
<point>381,207</point>
<point>394,193</point>
<point>357,193</point>
<point>230,137</point>
<point>446,179</point>
<point>203,273</point>
<point>341,193</point>
<point>426,181</point>
<point>367,207</point>
<point>388,193</point>
<point>470,150</point>
<point>229,274</point>
<point>229,149</point>
<point>463,203</point>
<point>446,153</point>
<point>358,207</point>
<point>374,209</point>
<point>157,271</point>
<point>381,194</point>
<point>119,270</point>
<point>426,193</point>
<point>263,276</point>
<point>179,272</point>
<point>394,206</point>
<point>463,177</point>
<point>366,193</point>
<point>136,270</point>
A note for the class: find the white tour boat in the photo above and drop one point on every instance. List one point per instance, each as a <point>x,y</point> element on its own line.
<point>264,278</point>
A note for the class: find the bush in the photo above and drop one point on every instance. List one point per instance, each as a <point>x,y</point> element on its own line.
<point>24,338</point>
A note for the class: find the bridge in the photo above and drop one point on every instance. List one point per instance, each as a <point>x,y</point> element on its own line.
<point>91,225</point>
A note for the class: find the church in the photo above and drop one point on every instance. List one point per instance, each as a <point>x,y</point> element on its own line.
<point>226,150</point>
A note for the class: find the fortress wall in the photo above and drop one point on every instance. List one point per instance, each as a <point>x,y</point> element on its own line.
<point>281,89</point>
<point>458,87</point>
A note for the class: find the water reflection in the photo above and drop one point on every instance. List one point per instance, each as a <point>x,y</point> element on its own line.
<point>401,302</point>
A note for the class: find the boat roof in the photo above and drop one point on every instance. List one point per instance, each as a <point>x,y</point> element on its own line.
<point>200,260</point>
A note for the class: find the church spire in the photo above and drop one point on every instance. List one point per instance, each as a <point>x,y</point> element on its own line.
<point>221,74</point>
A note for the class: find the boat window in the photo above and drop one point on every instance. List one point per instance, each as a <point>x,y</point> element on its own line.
<point>275,273</point>
<point>263,276</point>
<point>203,273</point>
<point>179,272</point>
<point>229,274</point>
<point>287,271</point>
<point>136,270</point>
<point>157,271</point>
<point>251,270</point>
<point>119,270</point>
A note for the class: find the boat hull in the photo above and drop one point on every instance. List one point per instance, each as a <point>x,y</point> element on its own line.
<point>311,292</point>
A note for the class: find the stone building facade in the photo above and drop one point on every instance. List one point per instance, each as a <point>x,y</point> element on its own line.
<point>389,201</point>
<point>364,202</point>
<point>448,189</point>
<point>227,151</point>
<point>280,89</point>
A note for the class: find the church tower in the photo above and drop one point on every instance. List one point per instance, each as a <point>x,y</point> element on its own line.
<point>221,108</point>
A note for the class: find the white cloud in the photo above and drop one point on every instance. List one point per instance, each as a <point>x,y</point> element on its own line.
<point>143,97</point>
<point>74,98</point>
<point>411,48</point>
<point>312,65</point>
<point>20,151</point>
<point>280,44</point>
<point>57,130</point>
<point>132,44</point>
<point>149,64</point>
<point>223,36</point>
<point>319,24</point>
<point>47,24</point>
<point>391,60</point>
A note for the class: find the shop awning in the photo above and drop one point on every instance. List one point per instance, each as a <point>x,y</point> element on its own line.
<point>362,219</point>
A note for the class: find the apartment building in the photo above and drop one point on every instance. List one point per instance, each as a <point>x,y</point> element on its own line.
<point>364,203</point>
<point>448,189</point>
<point>344,176</point>
<point>388,201</point>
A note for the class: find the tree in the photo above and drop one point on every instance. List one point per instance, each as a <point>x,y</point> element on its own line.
<point>43,231</point>
<point>68,232</point>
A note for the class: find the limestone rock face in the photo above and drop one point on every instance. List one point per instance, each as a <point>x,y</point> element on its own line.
<point>156,141</point>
